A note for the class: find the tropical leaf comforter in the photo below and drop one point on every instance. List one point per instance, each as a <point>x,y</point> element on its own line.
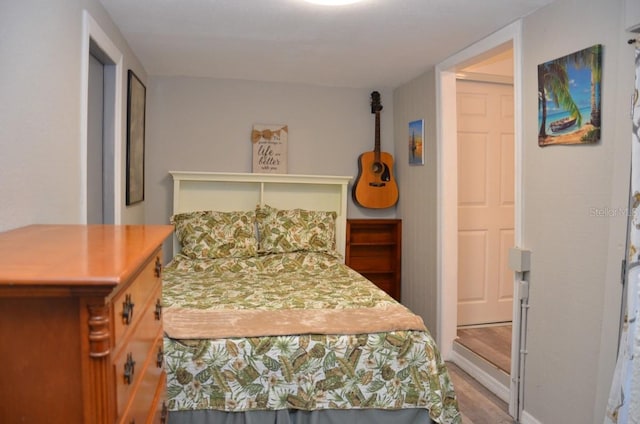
<point>389,369</point>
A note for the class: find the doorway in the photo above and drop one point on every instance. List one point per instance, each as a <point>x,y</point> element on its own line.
<point>485,197</point>
<point>99,149</point>
<point>101,129</point>
<point>448,214</point>
<point>484,105</point>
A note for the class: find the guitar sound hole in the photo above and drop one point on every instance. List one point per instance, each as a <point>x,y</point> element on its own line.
<point>376,167</point>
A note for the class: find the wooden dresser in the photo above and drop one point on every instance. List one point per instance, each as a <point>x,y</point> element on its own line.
<point>81,324</point>
<point>374,249</point>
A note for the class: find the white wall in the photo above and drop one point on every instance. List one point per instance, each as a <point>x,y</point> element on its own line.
<point>418,205</point>
<point>575,265</point>
<point>201,124</point>
<point>575,287</point>
<point>40,82</point>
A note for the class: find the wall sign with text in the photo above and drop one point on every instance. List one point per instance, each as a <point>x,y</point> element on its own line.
<point>269,148</point>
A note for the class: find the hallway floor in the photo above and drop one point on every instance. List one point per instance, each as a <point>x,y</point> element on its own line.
<point>492,342</point>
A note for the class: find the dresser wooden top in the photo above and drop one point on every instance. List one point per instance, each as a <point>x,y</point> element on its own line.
<point>76,255</point>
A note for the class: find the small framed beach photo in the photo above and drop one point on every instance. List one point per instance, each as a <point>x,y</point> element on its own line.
<point>416,142</point>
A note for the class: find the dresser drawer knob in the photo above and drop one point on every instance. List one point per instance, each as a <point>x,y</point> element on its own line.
<point>129,368</point>
<point>127,309</point>
<point>160,358</point>
<point>158,312</point>
<point>158,269</point>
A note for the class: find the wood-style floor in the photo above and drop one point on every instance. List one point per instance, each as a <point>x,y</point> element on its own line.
<point>477,404</point>
<point>493,343</point>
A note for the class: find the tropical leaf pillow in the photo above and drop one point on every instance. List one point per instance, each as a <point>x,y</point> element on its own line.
<point>213,234</point>
<point>292,230</point>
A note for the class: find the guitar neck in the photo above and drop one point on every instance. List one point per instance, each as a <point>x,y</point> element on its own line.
<point>376,148</point>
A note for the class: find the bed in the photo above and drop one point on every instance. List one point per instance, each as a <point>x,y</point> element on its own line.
<point>265,324</point>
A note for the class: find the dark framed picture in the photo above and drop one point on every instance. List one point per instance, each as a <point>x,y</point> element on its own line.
<point>136,99</point>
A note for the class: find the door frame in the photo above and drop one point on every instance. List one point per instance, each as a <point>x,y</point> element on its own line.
<point>94,37</point>
<point>447,261</point>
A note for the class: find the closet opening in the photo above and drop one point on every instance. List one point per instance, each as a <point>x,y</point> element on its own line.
<point>479,145</point>
<point>101,126</point>
<point>485,144</point>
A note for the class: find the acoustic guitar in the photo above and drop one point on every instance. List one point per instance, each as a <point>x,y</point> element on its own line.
<point>375,186</point>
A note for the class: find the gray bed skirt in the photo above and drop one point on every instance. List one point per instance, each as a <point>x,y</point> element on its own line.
<point>333,416</point>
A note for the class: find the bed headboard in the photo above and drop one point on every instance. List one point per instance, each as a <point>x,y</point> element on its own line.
<point>221,191</point>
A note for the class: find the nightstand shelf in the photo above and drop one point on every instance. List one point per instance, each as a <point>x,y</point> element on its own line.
<point>374,250</point>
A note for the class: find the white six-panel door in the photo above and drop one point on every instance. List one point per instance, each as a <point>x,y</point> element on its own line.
<point>485,201</point>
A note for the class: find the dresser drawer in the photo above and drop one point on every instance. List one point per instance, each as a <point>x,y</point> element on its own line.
<point>159,409</point>
<point>137,361</point>
<point>143,407</point>
<point>129,303</point>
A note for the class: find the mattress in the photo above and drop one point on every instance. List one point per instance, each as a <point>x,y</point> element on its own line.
<point>296,332</point>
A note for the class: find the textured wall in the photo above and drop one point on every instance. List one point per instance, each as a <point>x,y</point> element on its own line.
<point>575,264</point>
<point>40,73</point>
<point>418,204</point>
<point>576,245</point>
<point>203,124</point>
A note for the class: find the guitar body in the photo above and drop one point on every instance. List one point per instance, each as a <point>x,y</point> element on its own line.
<point>375,186</point>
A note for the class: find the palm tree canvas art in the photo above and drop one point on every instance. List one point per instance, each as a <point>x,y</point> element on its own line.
<point>569,98</point>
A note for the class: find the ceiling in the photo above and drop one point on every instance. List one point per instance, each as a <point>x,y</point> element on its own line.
<point>372,44</point>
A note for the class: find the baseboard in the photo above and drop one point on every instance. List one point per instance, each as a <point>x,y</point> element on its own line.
<point>526,418</point>
<point>492,384</point>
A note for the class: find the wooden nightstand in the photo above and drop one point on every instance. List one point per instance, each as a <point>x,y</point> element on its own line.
<point>81,324</point>
<point>374,250</point>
